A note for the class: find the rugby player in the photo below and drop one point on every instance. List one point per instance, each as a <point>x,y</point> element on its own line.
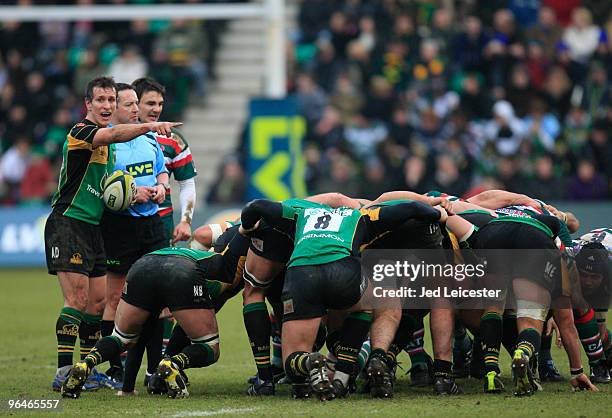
<point>171,277</point>
<point>591,253</point>
<point>73,240</point>
<point>179,161</point>
<point>323,273</point>
<point>533,291</point>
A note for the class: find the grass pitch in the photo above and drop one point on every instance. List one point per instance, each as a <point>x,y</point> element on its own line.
<point>31,299</point>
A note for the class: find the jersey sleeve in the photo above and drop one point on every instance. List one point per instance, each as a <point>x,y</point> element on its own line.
<point>83,132</point>
<point>182,165</point>
<point>386,218</point>
<point>160,161</point>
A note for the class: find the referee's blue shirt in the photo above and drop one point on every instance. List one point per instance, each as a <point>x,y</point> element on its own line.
<point>143,158</point>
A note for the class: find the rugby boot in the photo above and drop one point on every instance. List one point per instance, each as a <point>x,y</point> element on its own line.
<point>301,391</point>
<point>421,374</point>
<point>445,385</point>
<point>548,372</point>
<point>319,377</point>
<point>493,383</point>
<point>175,384</point>
<point>599,373</point>
<point>379,377</point>
<point>73,385</point>
<point>522,375</point>
<point>261,388</point>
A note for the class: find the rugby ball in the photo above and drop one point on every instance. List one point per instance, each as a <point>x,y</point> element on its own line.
<point>119,191</point>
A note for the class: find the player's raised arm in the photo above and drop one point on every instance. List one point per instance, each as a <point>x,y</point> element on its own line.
<point>495,199</point>
<point>335,200</point>
<point>127,132</point>
<point>272,212</point>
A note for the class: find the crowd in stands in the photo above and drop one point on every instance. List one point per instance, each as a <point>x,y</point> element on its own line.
<point>457,96</point>
<point>45,66</point>
<point>397,94</point>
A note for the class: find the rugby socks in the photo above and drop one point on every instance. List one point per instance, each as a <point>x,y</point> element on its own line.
<point>66,332</point>
<point>168,327</point>
<point>178,341</point>
<point>154,344</point>
<point>332,341</point>
<point>529,342</point>
<point>510,333</point>
<point>277,348</point>
<point>89,333</point>
<point>491,333</point>
<point>364,354</point>
<point>588,332</point>
<point>104,349</point>
<point>353,333</point>
<point>297,366</point>
<point>544,355</point>
<point>106,329</point>
<point>198,354</point>
<point>403,336</point>
<point>415,347</point>
<point>442,368</point>
<point>259,328</point>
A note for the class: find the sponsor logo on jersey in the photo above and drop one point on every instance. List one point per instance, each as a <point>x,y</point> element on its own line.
<point>198,290</point>
<point>76,259</point>
<point>144,168</point>
<point>113,262</point>
<point>288,306</point>
<point>93,191</point>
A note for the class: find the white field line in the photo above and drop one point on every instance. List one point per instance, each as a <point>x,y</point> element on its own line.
<point>214,412</point>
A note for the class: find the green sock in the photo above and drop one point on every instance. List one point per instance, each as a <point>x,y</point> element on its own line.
<point>89,333</point>
<point>588,332</point>
<point>66,332</point>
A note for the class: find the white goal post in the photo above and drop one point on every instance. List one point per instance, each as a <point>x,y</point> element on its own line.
<point>271,11</point>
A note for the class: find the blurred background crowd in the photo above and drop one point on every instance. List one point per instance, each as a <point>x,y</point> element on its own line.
<point>458,96</point>
<point>45,66</point>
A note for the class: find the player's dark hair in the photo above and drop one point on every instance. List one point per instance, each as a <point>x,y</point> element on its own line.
<point>146,84</point>
<point>102,82</point>
<point>124,86</point>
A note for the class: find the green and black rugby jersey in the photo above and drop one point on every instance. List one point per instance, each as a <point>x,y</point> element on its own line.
<point>84,168</point>
<point>322,234</point>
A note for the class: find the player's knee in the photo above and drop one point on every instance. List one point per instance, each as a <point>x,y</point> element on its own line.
<point>128,340</point>
<point>112,300</point>
<point>77,299</point>
<point>529,311</point>
<point>252,294</point>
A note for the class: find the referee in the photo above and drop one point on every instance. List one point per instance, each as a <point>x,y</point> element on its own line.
<point>130,234</point>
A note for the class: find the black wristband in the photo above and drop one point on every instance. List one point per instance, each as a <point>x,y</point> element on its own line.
<point>576,372</point>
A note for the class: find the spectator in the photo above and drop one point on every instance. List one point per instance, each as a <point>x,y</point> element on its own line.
<point>546,31</point>
<point>129,66</point>
<point>13,165</point>
<point>376,181</point>
<point>447,176</point>
<point>38,184</point>
<point>230,187</point>
<point>469,45</point>
<point>545,184</point>
<point>558,91</point>
<point>505,131</point>
<point>587,183</point>
<point>364,134</point>
<point>599,148</point>
<point>311,98</point>
<point>582,36</point>
<point>473,99</point>
<point>542,127</point>
<point>342,176</point>
<point>519,90</point>
<point>597,95</point>
<point>415,174</point>
<point>346,97</point>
